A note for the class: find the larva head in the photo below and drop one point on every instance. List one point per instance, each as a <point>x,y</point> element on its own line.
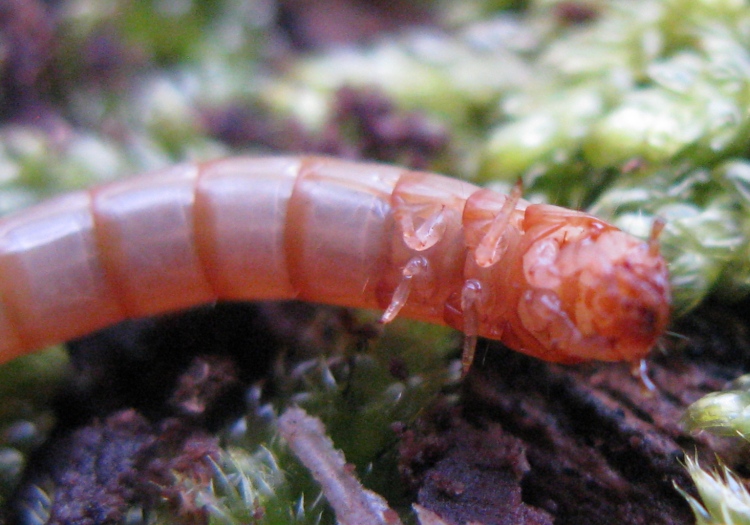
<point>604,294</point>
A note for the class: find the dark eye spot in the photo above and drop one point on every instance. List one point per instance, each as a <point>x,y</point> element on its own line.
<point>647,318</point>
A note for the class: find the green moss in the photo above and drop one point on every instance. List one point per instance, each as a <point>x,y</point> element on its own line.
<point>724,499</point>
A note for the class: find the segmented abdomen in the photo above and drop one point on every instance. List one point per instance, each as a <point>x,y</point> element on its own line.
<point>317,229</point>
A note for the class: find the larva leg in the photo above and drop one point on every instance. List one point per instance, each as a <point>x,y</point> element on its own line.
<point>491,224</point>
<point>427,247</point>
<point>416,266</point>
<point>434,221</point>
<point>653,239</point>
<point>470,304</point>
<point>494,244</point>
<point>639,370</point>
<point>488,252</point>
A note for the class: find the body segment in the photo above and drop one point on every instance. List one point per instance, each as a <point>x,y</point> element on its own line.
<point>550,282</point>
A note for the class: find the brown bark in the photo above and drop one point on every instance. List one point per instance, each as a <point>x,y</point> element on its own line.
<point>531,442</point>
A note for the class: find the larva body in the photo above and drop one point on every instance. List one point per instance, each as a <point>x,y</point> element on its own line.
<point>554,283</point>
